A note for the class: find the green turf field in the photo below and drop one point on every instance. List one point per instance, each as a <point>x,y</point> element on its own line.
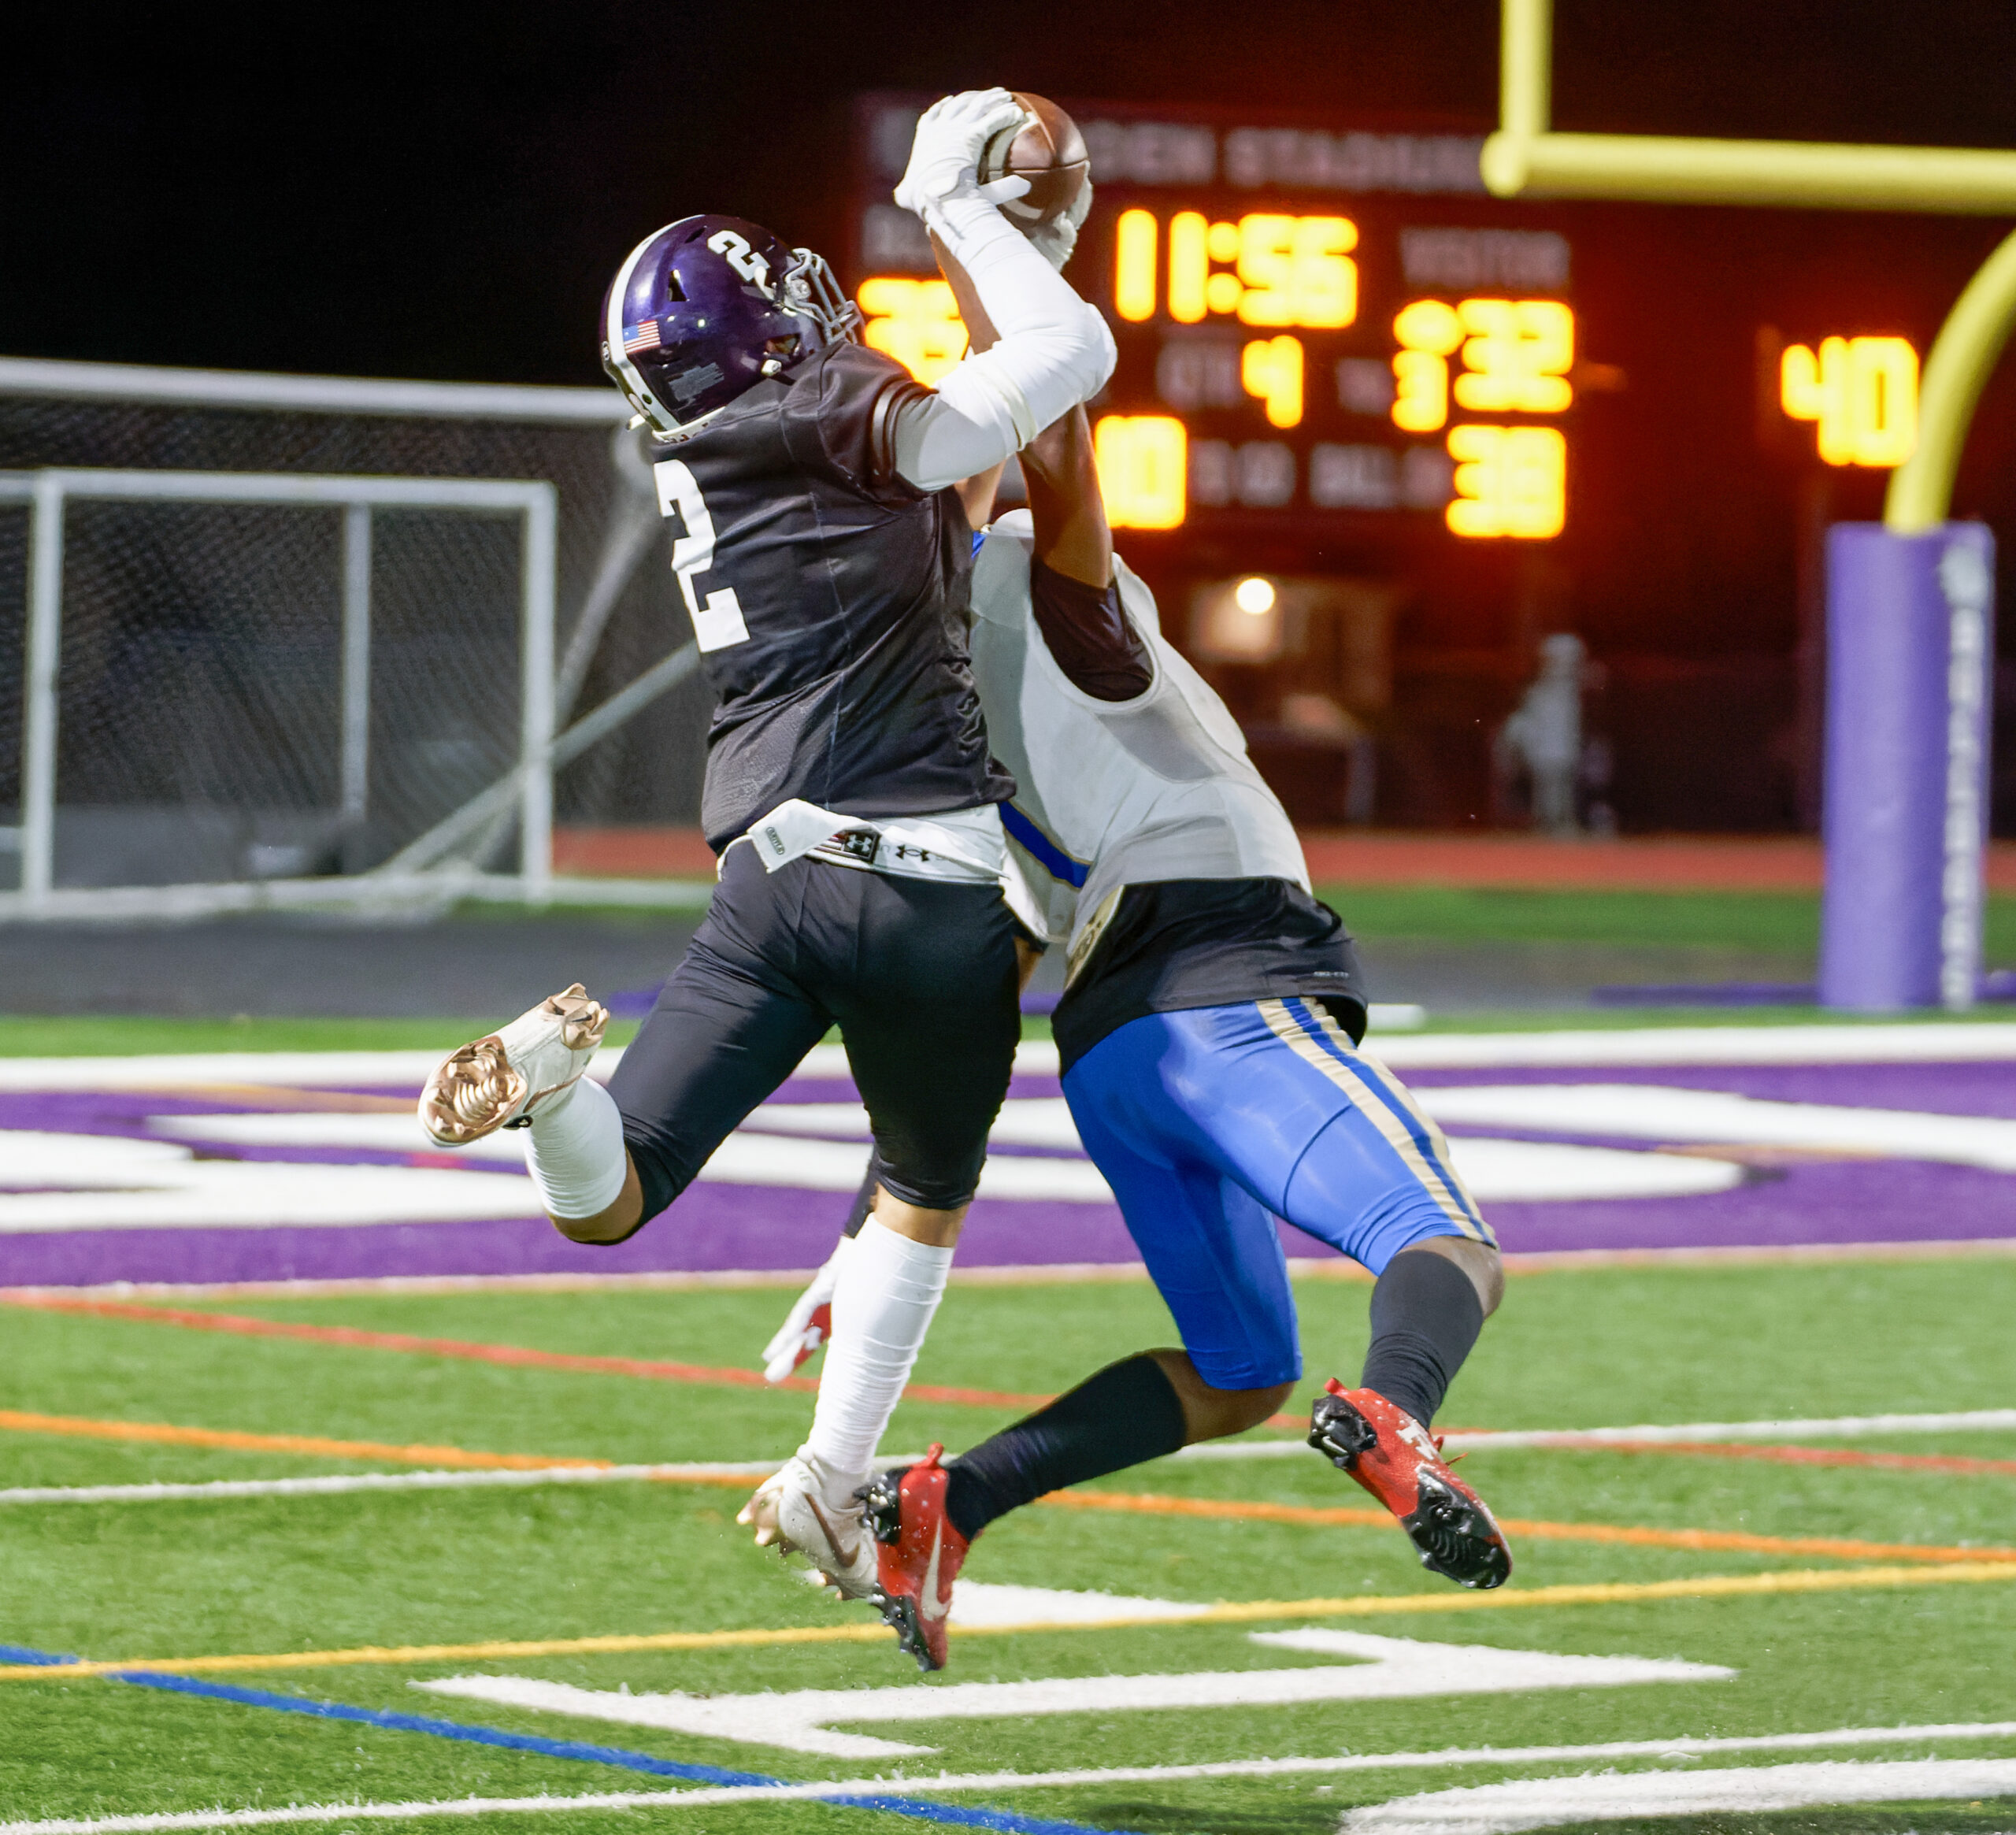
<point>1779,921</point>
<point>265,1576</point>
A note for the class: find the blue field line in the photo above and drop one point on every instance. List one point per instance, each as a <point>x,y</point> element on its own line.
<point>440,1729</point>
<point>1009,1821</point>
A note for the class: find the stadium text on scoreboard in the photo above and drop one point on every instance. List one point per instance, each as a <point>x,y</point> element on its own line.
<point>1349,354</point>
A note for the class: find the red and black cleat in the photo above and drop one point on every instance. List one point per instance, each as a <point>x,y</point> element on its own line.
<point>1391,1454</point>
<point>918,1554</point>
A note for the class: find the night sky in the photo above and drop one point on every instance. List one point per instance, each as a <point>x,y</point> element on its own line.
<point>443,192</point>
<point>439,191</point>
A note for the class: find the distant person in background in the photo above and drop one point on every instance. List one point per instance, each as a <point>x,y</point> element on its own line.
<point>1541,740</point>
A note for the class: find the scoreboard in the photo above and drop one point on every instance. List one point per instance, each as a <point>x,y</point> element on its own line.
<point>1374,434</point>
<point>1309,322</point>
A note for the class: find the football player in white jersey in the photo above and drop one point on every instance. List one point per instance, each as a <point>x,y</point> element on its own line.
<point>1208,1035</point>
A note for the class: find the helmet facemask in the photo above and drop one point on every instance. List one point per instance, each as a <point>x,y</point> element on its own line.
<point>811,289</point>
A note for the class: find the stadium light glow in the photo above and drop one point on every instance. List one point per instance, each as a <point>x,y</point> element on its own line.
<point>1254,596</point>
<point>916,322</point>
<point>1142,461</point>
<point>1863,393</point>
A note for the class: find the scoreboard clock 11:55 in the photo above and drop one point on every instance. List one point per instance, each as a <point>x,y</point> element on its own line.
<point>1332,358</point>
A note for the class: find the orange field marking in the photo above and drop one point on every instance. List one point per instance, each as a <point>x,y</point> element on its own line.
<point>1710,1586</point>
<point>515,1356</point>
<point>1139,1504</point>
<point>164,1433</point>
<point>1149,1503</point>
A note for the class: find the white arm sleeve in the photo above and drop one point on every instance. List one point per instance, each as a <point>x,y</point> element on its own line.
<point>1054,351</point>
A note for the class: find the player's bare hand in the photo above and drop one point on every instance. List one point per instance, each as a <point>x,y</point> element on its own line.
<point>945,155</point>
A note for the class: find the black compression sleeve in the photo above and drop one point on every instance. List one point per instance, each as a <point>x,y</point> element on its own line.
<point>1089,635</point>
<point>1425,1317</point>
<point>1128,1412</point>
<point>864,1199</point>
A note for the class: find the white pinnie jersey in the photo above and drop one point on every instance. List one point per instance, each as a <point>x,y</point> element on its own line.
<point>1113,793</point>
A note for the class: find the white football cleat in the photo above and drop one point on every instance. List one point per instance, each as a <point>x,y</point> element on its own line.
<point>493,1082</point>
<point>789,1513</point>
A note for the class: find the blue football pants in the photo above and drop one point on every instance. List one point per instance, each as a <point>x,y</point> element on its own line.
<point>1211,1123</point>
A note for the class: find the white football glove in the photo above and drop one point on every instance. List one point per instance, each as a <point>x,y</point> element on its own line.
<point>944,165</point>
<point>810,1323</point>
<point>1055,239</point>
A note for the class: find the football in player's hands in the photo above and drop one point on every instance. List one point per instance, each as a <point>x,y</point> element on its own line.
<point>1043,146</point>
<point>951,135</point>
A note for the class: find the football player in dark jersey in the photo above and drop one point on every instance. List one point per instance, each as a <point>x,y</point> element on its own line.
<point>825,564</point>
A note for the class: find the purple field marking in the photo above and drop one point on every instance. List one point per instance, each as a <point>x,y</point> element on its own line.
<point>1944,1089</point>
<point>719,1227</point>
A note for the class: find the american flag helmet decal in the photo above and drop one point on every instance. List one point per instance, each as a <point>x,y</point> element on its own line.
<point>644,337</point>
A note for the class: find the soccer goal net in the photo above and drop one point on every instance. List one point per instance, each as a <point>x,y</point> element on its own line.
<point>299,640</point>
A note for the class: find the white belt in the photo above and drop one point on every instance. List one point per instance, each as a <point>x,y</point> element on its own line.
<point>965,844</point>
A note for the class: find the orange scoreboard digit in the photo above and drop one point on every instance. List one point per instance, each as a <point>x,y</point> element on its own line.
<point>1316,328</point>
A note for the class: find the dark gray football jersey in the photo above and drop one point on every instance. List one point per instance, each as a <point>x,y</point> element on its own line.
<point>830,599</point>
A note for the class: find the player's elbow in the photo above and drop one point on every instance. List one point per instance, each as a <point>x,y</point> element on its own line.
<point>1084,355</point>
<point>1104,353</point>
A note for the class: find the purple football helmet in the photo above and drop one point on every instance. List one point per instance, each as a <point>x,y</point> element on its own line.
<point>705,309</point>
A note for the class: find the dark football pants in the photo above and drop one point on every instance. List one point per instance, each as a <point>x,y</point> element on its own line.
<point>919,975</point>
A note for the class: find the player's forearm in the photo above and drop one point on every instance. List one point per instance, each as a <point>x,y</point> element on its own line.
<point>1054,348</point>
<point>1070,514</point>
<point>977,491</point>
<point>1050,352</point>
<point>981,334</point>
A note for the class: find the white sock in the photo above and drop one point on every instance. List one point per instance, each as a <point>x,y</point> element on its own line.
<point>888,1289</point>
<point>574,1152</point>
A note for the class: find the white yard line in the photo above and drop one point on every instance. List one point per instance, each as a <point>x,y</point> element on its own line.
<point>1328,1268</point>
<point>1721,1118</point>
<point>798,1720</point>
<point>1909,1042</point>
<point>1838,1427</point>
<point>947,1783</point>
<point>1547,1803</point>
<point>337,1483</point>
<point>1834,1427</point>
<point>1937,1042</point>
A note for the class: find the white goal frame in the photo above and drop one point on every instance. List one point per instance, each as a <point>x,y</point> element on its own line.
<point>534,503</point>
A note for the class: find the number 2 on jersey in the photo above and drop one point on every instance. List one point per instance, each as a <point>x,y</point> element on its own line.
<point>719,623</point>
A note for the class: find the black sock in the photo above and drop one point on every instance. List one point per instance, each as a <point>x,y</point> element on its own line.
<point>1127,1412</point>
<point>1425,1317</point>
<point>864,1199</point>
